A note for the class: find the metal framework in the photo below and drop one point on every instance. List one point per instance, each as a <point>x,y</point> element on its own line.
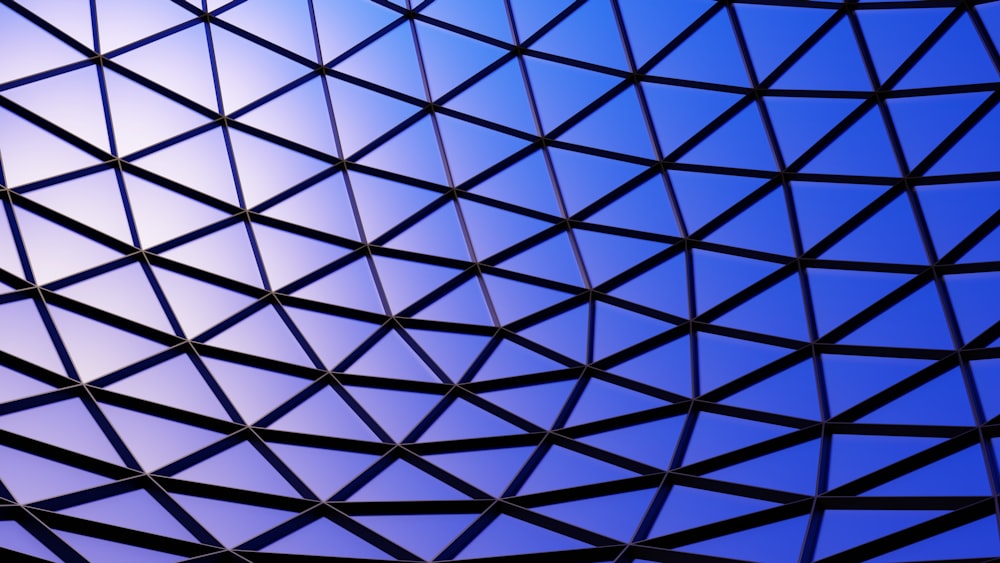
<point>577,291</point>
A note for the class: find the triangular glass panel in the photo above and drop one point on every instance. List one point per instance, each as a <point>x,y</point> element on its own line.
<point>96,348</point>
<point>286,24</point>
<point>325,206</point>
<point>854,455</point>
<point>471,149</point>
<point>403,481</point>
<point>231,523</point>
<point>199,305</point>
<point>565,333</point>
<point>562,468</point>
<point>667,367</point>
<point>383,203</point>
<point>644,208</point>
<point>715,434</point>
<point>348,286</point>
<point>201,163</point>
<point>397,412</point>
<point>959,474</point>
<point>594,20</point>
<point>687,508</point>
<point>701,197</point>
<point>863,149</point>
<point>156,441</point>
<point>412,152</point>
<point>851,379</point>
<point>74,20</point>
<point>405,282</point>
<point>946,392</point>
<point>584,178</point>
<point>343,25</point>
<point>323,538</point>
<point>844,529</point>
<point>791,469</point>
<point>14,386</point>
<point>678,112</point>
<point>325,413</point>
<point>537,403</point>
<point>180,62</point>
<point>297,116</point>
<point>893,35</point>
<point>800,122</point>
<point>790,392</point>
<point>267,169</point>
<point>24,334</point>
<point>94,200</point>
<point>225,252</point>
<point>744,130</point>
<point>453,352</point>
<point>923,122</point>
<point>551,259</point>
<point>176,383</point>
<point>514,299</point>
<point>616,329</point>
<point>324,471</point>
<point>495,541</point>
<point>331,337</point>
<point>21,541</point>
<point>710,54</point>
<point>940,204</point>
<point>562,90</point>
<point>602,399</point>
<point>31,478</point>
<point>778,310</point>
<point>55,251</point>
<point>463,420</point>
<point>253,391</point>
<point>488,18</point>
<point>264,333</point>
<point>39,50</point>
<point>32,153</point>
<point>763,226</point>
<point>248,71</point>
<point>423,534</point>
<point>605,255</point>
<point>971,299</point>
<point>493,229</point>
<point>834,63</point>
<point>530,16</point>
<point>131,104</point>
<point>651,26</point>
<point>289,256</point>
<point>490,470</point>
<point>934,69</point>
<point>363,115</point>
<point>509,359</point>
<point>633,441</point>
<point>821,207</point>
<point>779,542</point>
<point>438,234</point>
<point>81,433</point>
<point>450,59</point>
<point>125,292</point>
<point>500,96</point>
<point>978,540</point>
<point>592,513</point>
<point>82,114</point>
<point>464,304</point>
<point>891,235</point>
<point>525,183</point>
<point>719,276</point>
<point>664,288</point>
<point>392,357</point>
<point>255,474</point>
<point>121,22</point>
<point>773,32</point>
<point>135,510</point>
<point>99,550</point>
<point>915,322</point>
<point>403,75</point>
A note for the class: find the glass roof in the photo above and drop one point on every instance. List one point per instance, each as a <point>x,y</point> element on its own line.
<point>596,280</point>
